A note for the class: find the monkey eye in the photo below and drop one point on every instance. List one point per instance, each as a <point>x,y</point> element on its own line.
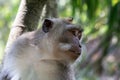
<point>76,33</point>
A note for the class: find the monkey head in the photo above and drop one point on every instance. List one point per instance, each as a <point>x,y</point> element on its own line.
<point>65,38</point>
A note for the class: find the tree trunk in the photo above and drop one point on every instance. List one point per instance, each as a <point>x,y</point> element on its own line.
<point>26,20</point>
<point>51,9</point>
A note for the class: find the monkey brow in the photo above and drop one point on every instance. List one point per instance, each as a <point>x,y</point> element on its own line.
<point>75,27</point>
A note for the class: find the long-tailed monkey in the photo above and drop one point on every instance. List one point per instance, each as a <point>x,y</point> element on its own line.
<point>44,54</point>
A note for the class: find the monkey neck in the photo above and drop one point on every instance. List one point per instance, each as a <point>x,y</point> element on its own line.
<point>51,70</point>
<point>57,70</point>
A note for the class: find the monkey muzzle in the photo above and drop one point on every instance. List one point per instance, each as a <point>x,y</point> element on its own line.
<point>76,50</point>
<point>73,50</point>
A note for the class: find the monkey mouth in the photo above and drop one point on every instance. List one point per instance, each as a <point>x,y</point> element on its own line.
<point>74,54</point>
<point>77,53</point>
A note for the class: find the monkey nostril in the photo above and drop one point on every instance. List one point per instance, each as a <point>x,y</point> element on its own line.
<point>80,46</point>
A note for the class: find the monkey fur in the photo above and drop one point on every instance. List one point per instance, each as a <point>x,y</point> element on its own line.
<point>44,54</point>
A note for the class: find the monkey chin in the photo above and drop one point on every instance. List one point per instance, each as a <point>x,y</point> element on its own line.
<point>70,51</point>
<point>73,56</point>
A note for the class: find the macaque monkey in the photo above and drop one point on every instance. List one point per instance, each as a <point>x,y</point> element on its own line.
<point>44,54</point>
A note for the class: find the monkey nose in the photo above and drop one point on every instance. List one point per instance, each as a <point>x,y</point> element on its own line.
<point>80,46</point>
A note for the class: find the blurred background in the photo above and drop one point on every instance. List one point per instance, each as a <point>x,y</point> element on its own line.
<point>100,20</point>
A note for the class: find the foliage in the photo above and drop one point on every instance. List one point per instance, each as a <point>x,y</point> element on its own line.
<point>7,15</point>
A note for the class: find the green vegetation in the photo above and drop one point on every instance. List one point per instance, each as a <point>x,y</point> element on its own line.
<point>8,11</point>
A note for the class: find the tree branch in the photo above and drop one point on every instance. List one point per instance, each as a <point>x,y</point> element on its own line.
<point>51,9</point>
<point>26,20</point>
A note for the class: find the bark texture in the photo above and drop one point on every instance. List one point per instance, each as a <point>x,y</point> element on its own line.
<point>51,9</point>
<point>26,19</point>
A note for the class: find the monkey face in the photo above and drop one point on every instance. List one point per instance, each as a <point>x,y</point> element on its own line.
<point>69,43</point>
<point>66,37</point>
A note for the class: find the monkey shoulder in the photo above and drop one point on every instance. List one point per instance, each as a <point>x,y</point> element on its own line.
<point>27,43</point>
<point>25,39</point>
<point>29,38</point>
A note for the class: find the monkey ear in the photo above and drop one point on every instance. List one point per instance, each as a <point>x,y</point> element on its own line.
<point>47,25</point>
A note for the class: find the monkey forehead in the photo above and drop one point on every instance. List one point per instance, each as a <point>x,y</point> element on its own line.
<point>65,24</point>
<point>72,26</point>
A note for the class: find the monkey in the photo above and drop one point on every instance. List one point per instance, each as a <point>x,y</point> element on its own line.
<point>44,54</point>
